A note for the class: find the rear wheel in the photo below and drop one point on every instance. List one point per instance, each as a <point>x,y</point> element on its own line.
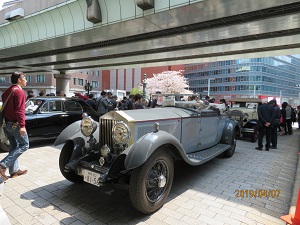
<point>64,159</point>
<point>151,183</point>
<point>229,152</point>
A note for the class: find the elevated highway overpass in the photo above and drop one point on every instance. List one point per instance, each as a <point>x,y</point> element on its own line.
<point>55,37</point>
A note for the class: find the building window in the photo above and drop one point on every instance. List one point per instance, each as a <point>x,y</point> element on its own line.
<point>74,81</point>
<point>95,84</point>
<point>40,78</point>
<point>28,78</point>
<point>2,79</point>
<point>80,82</point>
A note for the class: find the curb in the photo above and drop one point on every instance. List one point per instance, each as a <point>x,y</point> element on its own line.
<point>296,187</point>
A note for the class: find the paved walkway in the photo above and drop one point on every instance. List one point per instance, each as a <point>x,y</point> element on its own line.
<point>207,194</point>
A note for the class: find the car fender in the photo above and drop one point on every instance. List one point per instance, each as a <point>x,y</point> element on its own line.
<point>139,152</point>
<point>76,145</point>
<point>230,128</point>
<point>73,131</point>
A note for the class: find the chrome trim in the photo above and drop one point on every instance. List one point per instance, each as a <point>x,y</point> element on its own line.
<point>105,131</point>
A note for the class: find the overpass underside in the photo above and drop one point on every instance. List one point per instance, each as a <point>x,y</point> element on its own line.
<point>187,32</point>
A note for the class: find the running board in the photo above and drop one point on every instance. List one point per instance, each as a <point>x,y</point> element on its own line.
<point>197,158</point>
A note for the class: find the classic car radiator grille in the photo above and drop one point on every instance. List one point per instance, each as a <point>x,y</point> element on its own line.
<point>106,131</point>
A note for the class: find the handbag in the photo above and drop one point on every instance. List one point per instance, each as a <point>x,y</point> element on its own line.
<point>3,137</point>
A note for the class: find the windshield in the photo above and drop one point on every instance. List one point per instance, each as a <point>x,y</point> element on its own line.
<point>32,105</point>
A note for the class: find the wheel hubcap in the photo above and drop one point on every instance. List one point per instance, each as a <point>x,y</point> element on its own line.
<point>156,181</point>
<point>162,181</point>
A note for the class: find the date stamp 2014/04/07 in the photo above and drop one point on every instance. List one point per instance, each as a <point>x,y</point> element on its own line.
<point>257,193</point>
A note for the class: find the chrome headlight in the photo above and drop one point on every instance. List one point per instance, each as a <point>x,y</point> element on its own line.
<point>121,133</point>
<point>88,126</point>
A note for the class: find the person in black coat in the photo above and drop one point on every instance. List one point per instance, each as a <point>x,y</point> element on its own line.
<point>275,124</point>
<point>91,102</point>
<point>266,115</point>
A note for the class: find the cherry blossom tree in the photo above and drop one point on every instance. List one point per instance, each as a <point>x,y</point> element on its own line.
<point>167,82</point>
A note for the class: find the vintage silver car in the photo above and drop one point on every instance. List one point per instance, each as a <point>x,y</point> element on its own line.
<point>138,147</point>
<point>244,111</point>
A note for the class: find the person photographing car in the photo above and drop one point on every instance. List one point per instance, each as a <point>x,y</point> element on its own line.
<point>14,114</point>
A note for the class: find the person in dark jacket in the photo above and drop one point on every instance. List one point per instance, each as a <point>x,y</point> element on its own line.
<point>91,101</point>
<point>266,115</point>
<point>138,102</point>
<point>275,124</point>
<point>287,115</point>
<point>130,102</point>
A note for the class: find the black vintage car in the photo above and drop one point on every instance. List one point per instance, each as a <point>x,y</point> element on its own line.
<point>47,117</point>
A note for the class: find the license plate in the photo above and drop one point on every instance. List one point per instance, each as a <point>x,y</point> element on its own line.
<point>91,177</point>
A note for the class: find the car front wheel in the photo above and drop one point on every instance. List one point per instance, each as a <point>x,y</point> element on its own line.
<point>151,183</point>
<point>64,159</point>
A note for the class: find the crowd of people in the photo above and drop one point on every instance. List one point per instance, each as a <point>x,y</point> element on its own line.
<point>30,94</point>
<point>272,119</point>
<point>108,102</point>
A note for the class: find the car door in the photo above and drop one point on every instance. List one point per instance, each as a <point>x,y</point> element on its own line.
<point>48,121</point>
<point>74,111</point>
<point>209,129</point>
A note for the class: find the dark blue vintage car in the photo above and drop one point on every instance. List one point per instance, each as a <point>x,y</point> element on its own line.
<point>47,117</point>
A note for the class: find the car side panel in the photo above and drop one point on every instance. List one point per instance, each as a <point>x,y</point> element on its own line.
<point>46,124</point>
<point>190,133</point>
<point>209,132</point>
<point>172,126</point>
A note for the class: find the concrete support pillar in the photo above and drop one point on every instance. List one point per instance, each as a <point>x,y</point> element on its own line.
<point>62,83</point>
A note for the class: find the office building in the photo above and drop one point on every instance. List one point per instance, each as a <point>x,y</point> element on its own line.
<point>271,77</point>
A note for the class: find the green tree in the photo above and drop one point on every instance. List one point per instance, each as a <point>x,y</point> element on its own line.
<point>136,90</point>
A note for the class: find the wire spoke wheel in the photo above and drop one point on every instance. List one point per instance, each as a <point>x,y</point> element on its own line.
<point>150,184</point>
<point>156,181</point>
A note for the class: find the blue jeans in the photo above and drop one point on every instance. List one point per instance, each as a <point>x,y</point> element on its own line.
<point>18,145</point>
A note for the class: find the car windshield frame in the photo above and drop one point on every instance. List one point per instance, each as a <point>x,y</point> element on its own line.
<point>33,105</point>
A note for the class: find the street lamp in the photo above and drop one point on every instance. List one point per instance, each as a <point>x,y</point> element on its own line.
<point>280,96</point>
<point>88,87</point>
<point>208,86</point>
<point>144,86</point>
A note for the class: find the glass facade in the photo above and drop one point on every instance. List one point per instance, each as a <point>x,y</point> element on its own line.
<point>252,77</point>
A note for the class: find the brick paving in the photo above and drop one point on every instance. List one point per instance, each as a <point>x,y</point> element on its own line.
<point>205,194</point>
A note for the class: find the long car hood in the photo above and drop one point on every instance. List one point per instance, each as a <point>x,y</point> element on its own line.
<point>148,114</point>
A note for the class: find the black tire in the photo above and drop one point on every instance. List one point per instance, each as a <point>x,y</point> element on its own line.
<point>229,152</point>
<point>145,194</point>
<point>4,147</point>
<point>254,137</point>
<point>64,159</point>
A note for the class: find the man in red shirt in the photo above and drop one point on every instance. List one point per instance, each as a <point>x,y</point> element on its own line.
<point>14,113</point>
